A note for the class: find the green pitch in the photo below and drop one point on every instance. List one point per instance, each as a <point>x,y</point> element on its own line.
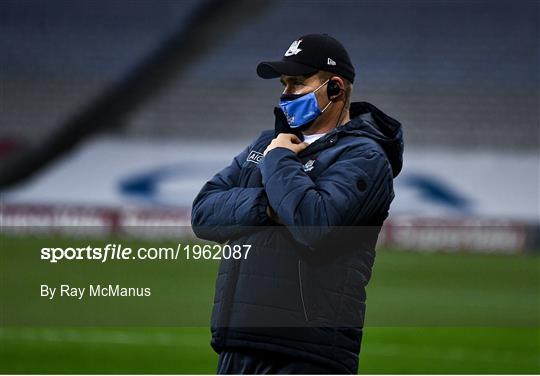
<point>427,313</point>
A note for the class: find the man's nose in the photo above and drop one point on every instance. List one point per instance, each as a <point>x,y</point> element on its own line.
<point>288,90</point>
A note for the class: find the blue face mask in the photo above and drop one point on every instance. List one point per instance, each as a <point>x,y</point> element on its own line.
<point>301,109</point>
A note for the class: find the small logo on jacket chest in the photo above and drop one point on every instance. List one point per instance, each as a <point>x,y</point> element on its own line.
<point>308,166</point>
<point>255,157</point>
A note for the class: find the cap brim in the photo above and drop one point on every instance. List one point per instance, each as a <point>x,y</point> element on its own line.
<point>274,69</point>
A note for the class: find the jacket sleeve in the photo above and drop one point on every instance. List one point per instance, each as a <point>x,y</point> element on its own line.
<point>222,209</point>
<point>356,189</point>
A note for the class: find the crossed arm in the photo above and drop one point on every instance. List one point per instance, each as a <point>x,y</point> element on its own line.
<point>357,186</point>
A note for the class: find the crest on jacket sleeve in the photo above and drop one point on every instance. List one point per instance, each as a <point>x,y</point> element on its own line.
<point>254,156</point>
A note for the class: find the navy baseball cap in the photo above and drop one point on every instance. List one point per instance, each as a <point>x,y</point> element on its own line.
<point>309,54</point>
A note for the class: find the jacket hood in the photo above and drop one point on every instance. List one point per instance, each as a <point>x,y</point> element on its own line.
<point>368,121</point>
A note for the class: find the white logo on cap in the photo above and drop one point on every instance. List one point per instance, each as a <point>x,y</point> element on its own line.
<point>293,49</point>
<point>331,62</point>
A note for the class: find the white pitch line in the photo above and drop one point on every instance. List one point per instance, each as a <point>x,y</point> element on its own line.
<point>94,337</point>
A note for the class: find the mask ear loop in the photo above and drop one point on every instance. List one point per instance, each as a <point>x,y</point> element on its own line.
<point>325,107</point>
<point>314,91</point>
<point>330,102</point>
<point>324,83</point>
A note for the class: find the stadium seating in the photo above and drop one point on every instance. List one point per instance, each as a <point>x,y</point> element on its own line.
<point>457,74</point>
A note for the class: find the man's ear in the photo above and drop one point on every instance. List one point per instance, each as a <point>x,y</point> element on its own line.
<point>335,88</point>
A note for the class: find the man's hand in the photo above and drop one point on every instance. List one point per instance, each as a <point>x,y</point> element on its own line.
<point>287,140</point>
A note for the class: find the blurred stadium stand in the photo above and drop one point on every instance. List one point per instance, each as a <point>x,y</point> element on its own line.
<point>456,73</point>
<point>58,55</point>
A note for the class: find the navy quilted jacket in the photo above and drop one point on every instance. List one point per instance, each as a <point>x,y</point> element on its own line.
<point>301,290</point>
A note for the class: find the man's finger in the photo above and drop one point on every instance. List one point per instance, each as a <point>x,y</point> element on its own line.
<point>299,147</point>
<point>294,138</point>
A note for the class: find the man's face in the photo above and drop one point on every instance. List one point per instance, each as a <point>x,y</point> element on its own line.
<point>300,84</point>
<point>305,85</point>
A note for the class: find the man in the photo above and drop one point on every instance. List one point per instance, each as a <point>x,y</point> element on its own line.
<point>309,197</point>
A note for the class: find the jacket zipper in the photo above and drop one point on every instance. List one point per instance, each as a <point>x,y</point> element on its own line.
<point>317,146</point>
